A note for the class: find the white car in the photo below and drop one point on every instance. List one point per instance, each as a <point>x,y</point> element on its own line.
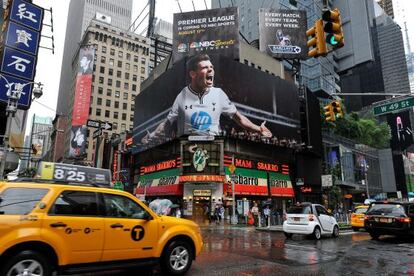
<point>310,219</point>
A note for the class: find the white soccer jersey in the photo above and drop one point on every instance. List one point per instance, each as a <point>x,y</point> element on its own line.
<point>200,115</point>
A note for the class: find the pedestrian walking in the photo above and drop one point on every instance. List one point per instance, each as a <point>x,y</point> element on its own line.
<point>217,214</point>
<point>255,213</point>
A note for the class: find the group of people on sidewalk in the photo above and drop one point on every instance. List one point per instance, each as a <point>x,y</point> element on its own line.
<point>216,214</point>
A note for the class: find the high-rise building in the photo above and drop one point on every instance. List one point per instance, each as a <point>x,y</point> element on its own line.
<point>81,12</point>
<point>318,74</point>
<point>387,6</point>
<point>121,64</point>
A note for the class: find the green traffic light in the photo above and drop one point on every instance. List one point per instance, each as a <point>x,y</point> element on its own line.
<point>331,40</point>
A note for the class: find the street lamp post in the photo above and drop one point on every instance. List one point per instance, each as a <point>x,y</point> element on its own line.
<point>14,92</point>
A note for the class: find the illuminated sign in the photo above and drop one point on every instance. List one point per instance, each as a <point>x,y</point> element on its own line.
<point>202,192</point>
<point>259,165</point>
<point>306,189</point>
<point>201,178</point>
<point>164,165</point>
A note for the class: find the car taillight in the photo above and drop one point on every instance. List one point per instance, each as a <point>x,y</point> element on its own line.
<point>311,218</point>
<point>408,220</point>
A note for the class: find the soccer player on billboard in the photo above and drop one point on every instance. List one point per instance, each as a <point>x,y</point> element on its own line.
<point>198,107</point>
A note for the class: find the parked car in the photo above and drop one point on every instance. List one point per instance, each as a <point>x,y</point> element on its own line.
<point>390,218</point>
<point>310,219</point>
<point>357,217</point>
<point>71,229</point>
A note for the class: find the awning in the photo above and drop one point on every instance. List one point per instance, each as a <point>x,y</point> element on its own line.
<point>282,192</point>
<point>161,190</point>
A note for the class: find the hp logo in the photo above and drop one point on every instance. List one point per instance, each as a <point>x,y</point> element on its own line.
<point>200,120</point>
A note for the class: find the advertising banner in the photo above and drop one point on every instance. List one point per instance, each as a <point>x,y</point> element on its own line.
<point>249,182</point>
<point>82,102</point>
<point>280,185</point>
<point>160,183</point>
<point>213,31</point>
<point>236,101</point>
<point>283,33</point>
<point>401,131</point>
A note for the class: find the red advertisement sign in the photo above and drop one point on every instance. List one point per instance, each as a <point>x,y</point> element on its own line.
<point>81,103</point>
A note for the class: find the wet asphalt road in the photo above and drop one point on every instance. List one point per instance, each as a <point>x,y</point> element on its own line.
<point>232,250</point>
<point>245,251</point>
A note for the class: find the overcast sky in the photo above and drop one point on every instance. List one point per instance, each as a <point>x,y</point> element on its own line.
<point>49,65</point>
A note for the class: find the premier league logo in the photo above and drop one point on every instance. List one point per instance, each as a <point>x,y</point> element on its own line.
<point>201,120</point>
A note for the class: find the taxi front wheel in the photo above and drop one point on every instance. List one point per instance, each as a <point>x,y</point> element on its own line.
<point>177,258</point>
<point>27,262</point>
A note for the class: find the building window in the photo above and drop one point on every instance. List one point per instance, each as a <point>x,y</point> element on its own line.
<point>101,80</point>
<point>109,81</point>
<point>123,116</point>
<point>126,86</point>
<point>124,106</point>
<point>143,60</point>
<point>142,79</point>
<point>107,113</point>
<point>259,67</point>
<point>115,115</point>
<point>111,72</point>
<point>103,59</point>
<point>114,126</point>
<point>99,101</point>
<point>120,54</point>
<point>100,90</point>
<point>132,107</point>
<point>104,49</point>
<point>134,77</point>
<point>253,65</point>
<point>117,94</point>
<point>102,70</point>
<point>111,62</point>
<point>108,92</point>
<point>128,56</point>
<point>123,127</point>
<point>134,87</point>
<point>118,74</point>
<point>98,112</point>
<point>119,63</point>
<point>142,70</point>
<point>108,103</point>
<point>112,51</point>
<point>118,84</point>
<point>125,96</point>
<point>116,105</point>
<point>246,62</point>
<point>127,66</point>
<point>126,76</point>
<point>131,118</point>
<point>135,59</point>
<point>135,68</point>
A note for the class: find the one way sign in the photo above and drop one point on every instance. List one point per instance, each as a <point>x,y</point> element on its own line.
<point>99,124</point>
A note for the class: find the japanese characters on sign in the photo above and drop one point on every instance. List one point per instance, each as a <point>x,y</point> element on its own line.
<point>22,27</point>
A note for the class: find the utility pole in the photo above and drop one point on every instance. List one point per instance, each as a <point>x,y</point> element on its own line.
<point>232,169</point>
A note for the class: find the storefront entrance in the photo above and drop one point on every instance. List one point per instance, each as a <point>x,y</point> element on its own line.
<point>199,205</point>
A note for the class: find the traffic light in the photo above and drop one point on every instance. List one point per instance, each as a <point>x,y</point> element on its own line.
<point>329,113</point>
<point>337,109</point>
<point>317,41</point>
<point>333,28</point>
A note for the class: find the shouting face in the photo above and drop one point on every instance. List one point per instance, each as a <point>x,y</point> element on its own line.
<point>203,77</point>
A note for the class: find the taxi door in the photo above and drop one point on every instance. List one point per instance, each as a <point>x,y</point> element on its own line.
<point>129,234</point>
<point>74,224</point>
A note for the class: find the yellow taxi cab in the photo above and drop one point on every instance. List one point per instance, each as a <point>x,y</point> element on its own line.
<point>56,226</point>
<point>357,217</point>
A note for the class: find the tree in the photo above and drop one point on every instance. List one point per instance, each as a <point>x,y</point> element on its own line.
<point>366,130</point>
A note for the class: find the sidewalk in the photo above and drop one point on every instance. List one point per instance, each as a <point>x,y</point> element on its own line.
<point>279,228</point>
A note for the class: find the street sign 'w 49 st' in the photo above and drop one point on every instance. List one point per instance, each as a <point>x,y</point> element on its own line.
<point>394,106</point>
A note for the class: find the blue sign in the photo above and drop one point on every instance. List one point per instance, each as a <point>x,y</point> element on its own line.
<point>201,120</point>
<point>16,85</point>
<point>18,64</point>
<point>27,14</point>
<point>22,38</point>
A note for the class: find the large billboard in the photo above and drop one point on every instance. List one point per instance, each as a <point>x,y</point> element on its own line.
<point>82,101</point>
<point>283,33</point>
<point>213,31</point>
<point>237,101</point>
